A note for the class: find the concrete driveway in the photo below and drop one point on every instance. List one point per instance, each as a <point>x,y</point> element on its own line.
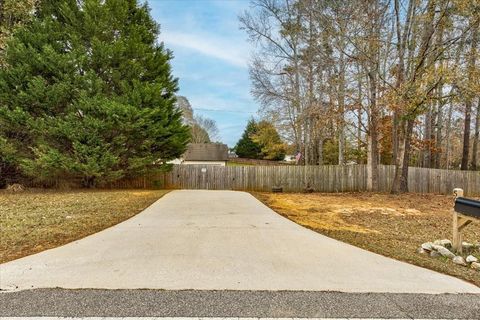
<point>214,240</point>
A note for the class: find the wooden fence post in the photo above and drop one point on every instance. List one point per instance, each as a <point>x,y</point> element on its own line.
<point>459,223</point>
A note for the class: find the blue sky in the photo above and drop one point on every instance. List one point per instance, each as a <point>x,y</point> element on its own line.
<point>210,59</point>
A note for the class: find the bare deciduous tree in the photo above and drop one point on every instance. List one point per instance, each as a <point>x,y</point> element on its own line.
<point>383,81</point>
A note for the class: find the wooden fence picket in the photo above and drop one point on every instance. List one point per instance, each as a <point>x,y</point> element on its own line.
<point>326,178</point>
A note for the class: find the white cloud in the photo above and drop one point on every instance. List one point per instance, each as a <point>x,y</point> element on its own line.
<point>223,49</point>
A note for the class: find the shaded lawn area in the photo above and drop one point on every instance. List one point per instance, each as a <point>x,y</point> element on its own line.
<point>36,220</point>
<point>391,225</point>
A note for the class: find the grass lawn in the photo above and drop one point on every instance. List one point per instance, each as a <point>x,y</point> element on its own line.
<point>236,164</point>
<point>34,221</point>
<point>393,226</point>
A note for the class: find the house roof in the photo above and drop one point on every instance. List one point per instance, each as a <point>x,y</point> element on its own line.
<point>206,152</point>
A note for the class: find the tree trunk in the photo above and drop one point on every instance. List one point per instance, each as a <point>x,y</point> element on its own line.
<point>372,160</point>
<point>372,137</point>
<point>448,135</point>
<point>469,97</point>
<point>341,112</point>
<point>466,135</point>
<point>394,135</point>
<point>360,159</point>
<point>406,156</point>
<point>426,139</point>
<point>437,121</point>
<point>398,128</point>
<point>359,136</point>
<point>306,142</point>
<point>400,180</point>
<point>397,179</point>
<point>320,151</point>
<point>476,138</point>
<point>341,143</point>
<point>438,130</point>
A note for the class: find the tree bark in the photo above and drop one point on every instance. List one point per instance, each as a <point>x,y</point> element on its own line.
<point>341,111</point>
<point>426,139</point>
<point>448,135</point>
<point>476,138</point>
<point>406,156</point>
<point>466,135</point>
<point>372,137</point>
<point>372,161</point>
<point>320,151</point>
<point>468,103</point>
<point>438,130</point>
<point>359,136</point>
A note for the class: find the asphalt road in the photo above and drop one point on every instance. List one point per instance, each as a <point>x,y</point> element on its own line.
<point>217,240</point>
<point>263,304</point>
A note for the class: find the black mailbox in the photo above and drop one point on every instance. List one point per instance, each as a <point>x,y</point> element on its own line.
<point>467,207</point>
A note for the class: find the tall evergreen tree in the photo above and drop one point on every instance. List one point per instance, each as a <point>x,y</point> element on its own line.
<point>246,147</point>
<point>89,93</point>
<point>13,14</point>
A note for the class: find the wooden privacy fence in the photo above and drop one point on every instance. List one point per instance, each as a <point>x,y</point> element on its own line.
<point>328,178</point>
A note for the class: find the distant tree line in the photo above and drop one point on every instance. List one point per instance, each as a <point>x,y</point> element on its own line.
<point>86,91</point>
<point>376,82</point>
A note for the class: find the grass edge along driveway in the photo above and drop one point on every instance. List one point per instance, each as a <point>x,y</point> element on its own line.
<point>391,225</point>
<point>37,220</point>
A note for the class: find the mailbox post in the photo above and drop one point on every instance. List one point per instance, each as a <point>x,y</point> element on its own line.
<point>464,211</point>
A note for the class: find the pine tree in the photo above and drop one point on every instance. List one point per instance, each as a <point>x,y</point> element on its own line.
<point>89,93</point>
<point>13,14</point>
<point>246,147</point>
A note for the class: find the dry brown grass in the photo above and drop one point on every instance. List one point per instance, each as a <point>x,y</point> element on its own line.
<point>394,226</point>
<point>33,221</point>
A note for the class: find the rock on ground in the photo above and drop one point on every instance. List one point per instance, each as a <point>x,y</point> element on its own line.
<point>475,266</point>
<point>471,259</point>
<point>445,243</point>
<point>459,260</point>
<point>422,251</point>
<point>428,246</point>
<point>445,252</point>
